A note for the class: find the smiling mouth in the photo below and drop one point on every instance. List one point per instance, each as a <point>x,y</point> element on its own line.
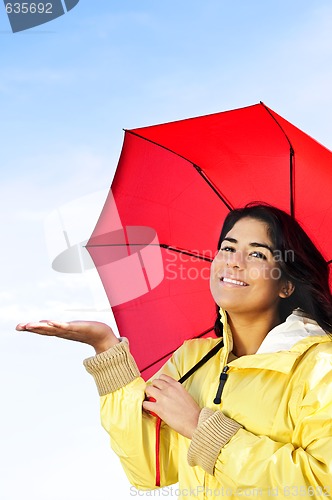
<point>233,282</point>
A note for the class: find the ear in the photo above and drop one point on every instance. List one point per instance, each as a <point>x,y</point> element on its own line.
<point>286,290</point>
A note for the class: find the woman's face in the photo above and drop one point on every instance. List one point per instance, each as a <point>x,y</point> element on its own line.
<point>245,276</point>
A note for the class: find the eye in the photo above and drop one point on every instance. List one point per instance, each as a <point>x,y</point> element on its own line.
<point>227,249</point>
<point>258,255</point>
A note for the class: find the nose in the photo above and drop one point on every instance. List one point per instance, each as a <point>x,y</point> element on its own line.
<point>235,260</point>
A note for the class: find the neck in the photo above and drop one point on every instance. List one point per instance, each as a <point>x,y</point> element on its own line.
<point>249,332</point>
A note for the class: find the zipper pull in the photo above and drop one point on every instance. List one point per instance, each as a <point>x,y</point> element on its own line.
<point>222,381</point>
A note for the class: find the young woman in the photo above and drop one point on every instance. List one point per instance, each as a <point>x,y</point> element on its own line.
<point>256,418</point>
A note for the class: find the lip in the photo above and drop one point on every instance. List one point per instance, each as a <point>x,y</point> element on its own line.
<point>232,281</point>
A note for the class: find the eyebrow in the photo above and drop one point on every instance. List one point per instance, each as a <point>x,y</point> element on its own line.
<point>253,244</point>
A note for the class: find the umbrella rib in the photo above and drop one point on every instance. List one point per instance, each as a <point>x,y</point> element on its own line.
<point>196,167</point>
<point>291,162</point>
<point>161,245</point>
<point>185,252</point>
<point>171,352</point>
<point>212,186</point>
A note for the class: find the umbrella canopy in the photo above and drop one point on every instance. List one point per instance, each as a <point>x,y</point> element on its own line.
<point>173,187</point>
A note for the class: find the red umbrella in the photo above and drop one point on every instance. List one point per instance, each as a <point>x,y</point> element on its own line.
<point>174,184</point>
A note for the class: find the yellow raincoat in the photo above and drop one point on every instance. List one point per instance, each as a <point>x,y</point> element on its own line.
<point>282,398</point>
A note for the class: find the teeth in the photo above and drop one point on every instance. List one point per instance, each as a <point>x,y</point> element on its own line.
<point>234,282</point>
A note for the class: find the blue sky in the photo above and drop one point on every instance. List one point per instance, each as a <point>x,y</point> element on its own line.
<point>67,89</point>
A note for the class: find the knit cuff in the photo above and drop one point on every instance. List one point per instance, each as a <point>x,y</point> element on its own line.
<point>214,430</point>
<point>113,368</point>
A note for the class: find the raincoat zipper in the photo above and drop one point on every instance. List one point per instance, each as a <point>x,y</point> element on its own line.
<point>222,382</point>
<point>184,377</point>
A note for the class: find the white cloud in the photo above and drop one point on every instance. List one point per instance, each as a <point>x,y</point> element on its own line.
<point>46,76</point>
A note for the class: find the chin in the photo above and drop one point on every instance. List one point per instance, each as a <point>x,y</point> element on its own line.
<point>225,304</point>
<point>234,307</point>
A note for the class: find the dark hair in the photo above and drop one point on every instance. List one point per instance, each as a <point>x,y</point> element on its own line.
<point>299,260</point>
